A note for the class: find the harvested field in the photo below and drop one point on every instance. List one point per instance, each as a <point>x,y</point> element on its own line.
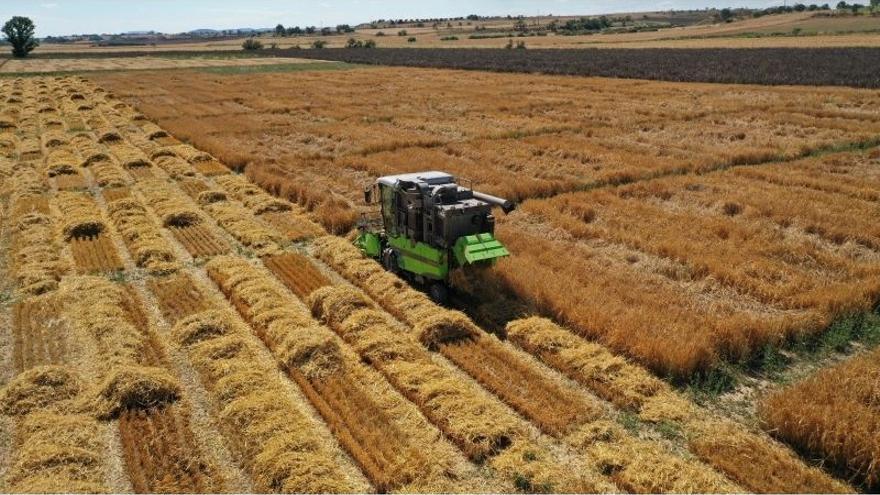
<point>95,254</point>
<point>161,455</point>
<point>295,271</point>
<point>730,448</point>
<point>268,431</point>
<point>179,297</point>
<point>200,241</point>
<point>38,337</point>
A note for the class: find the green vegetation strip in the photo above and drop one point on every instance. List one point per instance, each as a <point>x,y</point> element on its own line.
<point>846,335</point>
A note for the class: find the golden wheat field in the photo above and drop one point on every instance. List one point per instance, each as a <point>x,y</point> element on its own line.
<point>183,312</point>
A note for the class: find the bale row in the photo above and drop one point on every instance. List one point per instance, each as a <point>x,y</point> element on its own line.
<point>242,224</point>
<point>143,238</point>
<point>140,140</point>
<point>61,162</point>
<point>294,338</point>
<point>129,156</point>
<point>433,324</point>
<point>610,376</point>
<point>480,425</point>
<point>103,130</point>
<point>24,183</point>
<point>80,216</point>
<point>53,139</point>
<point>411,454</point>
<point>176,167</point>
<point>108,173</point>
<point>89,149</point>
<point>252,196</point>
<point>95,307</point>
<point>186,152</point>
<point>35,256</point>
<point>35,259</point>
<point>57,448</point>
<point>152,131</point>
<point>173,207</point>
<point>8,145</point>
<point>270,433</point>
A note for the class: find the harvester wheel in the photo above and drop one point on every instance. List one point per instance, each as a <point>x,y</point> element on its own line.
<point>439,293</point>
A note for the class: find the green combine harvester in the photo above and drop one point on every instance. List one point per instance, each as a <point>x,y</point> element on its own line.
<point>429,227</point>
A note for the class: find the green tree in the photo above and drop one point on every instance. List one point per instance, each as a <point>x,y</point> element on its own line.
<point>280,31</point>
<point>875,4</point>
<point>19,32</point>
<point>252,44</point>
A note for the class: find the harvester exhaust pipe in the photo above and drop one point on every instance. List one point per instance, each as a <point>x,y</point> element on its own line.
<point>505,205</point>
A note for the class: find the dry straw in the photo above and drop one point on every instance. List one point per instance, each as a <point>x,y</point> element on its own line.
<point>480,425</point>
<point>53,139</point>
<point>242,224</point>
<point>34,255</point>
<point>271,433</point>
<point>61,162</point>
<point>152,131</point>
<point>186,152</point>
<point>174,208</point>
<point>252,196</point>
<point>43,388</point>
<point>57,448</point>
<point>296,340</point>
<point>109,174</point>
<point>129,156</point>
<point>89,150</point>
<point>143,238</point>
<point>80,215</point>
<point>176,167</point>
<point>108,135</point>
<point>433,324</point>
<point>95,308</point>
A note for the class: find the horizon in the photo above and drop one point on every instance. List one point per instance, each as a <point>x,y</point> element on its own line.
<point>67,17</point>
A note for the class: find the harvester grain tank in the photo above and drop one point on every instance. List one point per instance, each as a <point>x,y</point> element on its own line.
<point>429,226</point>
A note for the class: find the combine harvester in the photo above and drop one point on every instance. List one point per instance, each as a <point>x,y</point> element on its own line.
<point>430,226</point>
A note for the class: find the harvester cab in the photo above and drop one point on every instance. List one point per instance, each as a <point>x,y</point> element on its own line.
<point>430,226</point>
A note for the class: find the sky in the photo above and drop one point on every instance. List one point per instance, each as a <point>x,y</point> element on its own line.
<point>58,17</point>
